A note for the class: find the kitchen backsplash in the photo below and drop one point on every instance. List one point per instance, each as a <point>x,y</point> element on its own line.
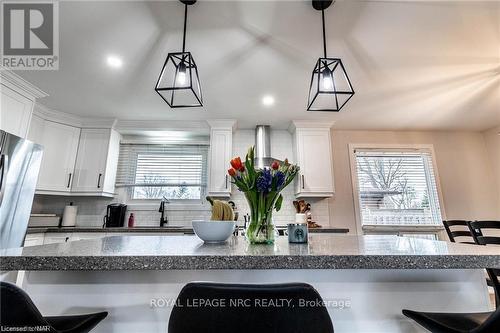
<point>91,210</point>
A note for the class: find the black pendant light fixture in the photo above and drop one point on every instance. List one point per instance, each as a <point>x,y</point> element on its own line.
<point>179,83</point>
<point>330,87</point>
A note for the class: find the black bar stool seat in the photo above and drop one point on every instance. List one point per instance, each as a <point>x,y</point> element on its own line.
<point>254,312</point>
<point>450,322</point>
<point>17,310</point>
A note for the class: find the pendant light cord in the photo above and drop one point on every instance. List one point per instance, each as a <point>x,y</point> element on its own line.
<point>324,33</point>
<point>184,36</point>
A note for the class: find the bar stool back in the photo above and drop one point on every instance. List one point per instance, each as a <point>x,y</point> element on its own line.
<point>477,228</point>
<point>246,308</point>
<point>17,310</point>
<point>463,231</point>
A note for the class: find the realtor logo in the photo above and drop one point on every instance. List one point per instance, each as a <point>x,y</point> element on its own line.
<point>30,35</point>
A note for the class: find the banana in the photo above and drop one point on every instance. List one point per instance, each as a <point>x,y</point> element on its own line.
<point>221,210</point>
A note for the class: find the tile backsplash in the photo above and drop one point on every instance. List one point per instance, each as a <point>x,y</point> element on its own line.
<point>91,210</point>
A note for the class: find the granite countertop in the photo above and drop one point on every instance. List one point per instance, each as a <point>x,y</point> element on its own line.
<point>167,229</point>
<point>324,251</point>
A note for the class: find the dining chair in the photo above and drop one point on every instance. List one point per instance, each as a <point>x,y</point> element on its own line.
<point>247,308</point>
<point>17,310</point>
<point>481,231</point>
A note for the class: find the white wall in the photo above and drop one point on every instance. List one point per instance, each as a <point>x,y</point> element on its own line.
<point>468,186</point>
<point>492,140</point>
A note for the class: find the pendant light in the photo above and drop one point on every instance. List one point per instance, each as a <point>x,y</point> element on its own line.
<point>179,83</point>
<point>330,87</point>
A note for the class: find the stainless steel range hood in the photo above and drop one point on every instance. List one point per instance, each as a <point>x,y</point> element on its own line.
<point>263,147</point>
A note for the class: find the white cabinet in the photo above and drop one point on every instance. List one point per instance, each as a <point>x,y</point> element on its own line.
<point>221,145</point>
<point>37,126</point>
<point>60,144</point>
<point>15,112</point>
<point>96,163</point>
<point>17,98</point>
<point>75,161</point>
<point>313,153</point>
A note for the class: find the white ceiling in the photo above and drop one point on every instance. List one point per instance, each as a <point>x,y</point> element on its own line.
<point>413,64</point>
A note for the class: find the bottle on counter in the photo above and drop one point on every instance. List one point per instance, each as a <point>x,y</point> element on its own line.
<point>131,220</point>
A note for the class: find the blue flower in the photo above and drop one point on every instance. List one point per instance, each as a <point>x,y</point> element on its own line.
<point>264,181</point>
<point>280,179</point>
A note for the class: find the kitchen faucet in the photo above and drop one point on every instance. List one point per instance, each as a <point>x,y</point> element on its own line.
<point>163,218</point>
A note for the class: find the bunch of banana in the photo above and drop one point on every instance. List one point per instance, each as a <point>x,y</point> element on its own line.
<point>221,210</point>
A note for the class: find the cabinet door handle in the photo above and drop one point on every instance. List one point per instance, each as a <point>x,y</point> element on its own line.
<point>69,179</point>
<point>303,182</point>
<point>99,181</point>
<point>226,182</point>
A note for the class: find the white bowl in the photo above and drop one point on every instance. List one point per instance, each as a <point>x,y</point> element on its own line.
<point>213,231</point>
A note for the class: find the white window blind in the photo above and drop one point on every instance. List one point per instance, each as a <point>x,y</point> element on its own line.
<point>151,171</point>
<point>397,187</point>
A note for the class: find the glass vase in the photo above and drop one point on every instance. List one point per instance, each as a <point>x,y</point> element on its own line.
<point>261,229</point>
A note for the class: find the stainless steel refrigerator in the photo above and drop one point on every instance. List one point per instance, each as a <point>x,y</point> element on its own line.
<point>20,161</point>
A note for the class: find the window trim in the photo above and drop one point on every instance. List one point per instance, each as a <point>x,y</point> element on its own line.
<point>354,177</point>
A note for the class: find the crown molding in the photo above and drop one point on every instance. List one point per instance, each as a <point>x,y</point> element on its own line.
<point>295,124</point>
<point>222,124</point>
<point>47,113</point>
<point>127,126</point>
<point>72,120</point>
<point>17,83</point>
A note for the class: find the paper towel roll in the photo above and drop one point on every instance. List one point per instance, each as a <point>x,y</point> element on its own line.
<point>69,216</point>
<point>300,218</point>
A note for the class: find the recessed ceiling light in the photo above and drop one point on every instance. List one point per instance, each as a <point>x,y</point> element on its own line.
<point>114,61</point>
<point>268,100</point>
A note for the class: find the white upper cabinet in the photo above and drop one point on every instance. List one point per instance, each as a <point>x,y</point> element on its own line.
<point>60,145</point>
<point>15,112</point>
<point>17,98</point>
<point>313,153</point>
<point>96,162</point>
<point>221,150</point>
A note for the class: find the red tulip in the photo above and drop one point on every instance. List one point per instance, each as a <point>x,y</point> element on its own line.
<point>242,169</point>
<point>231,172</point>
<point>275,165</point>
<point>236,163</point>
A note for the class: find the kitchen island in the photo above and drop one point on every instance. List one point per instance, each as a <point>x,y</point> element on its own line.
<point>365,280</point>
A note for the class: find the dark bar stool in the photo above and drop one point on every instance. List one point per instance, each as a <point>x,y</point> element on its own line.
<point>476,228</point>
<point>463,231</point>
<point>492,280</point>
<point>17,310</point>
<point>246,308</point>
<point>481,322</point>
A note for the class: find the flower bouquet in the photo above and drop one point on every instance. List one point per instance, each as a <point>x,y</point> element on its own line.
<point>262,189</point>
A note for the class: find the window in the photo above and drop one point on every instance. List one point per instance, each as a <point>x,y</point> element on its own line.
<point>396,187</point>
<point>152,171</point>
